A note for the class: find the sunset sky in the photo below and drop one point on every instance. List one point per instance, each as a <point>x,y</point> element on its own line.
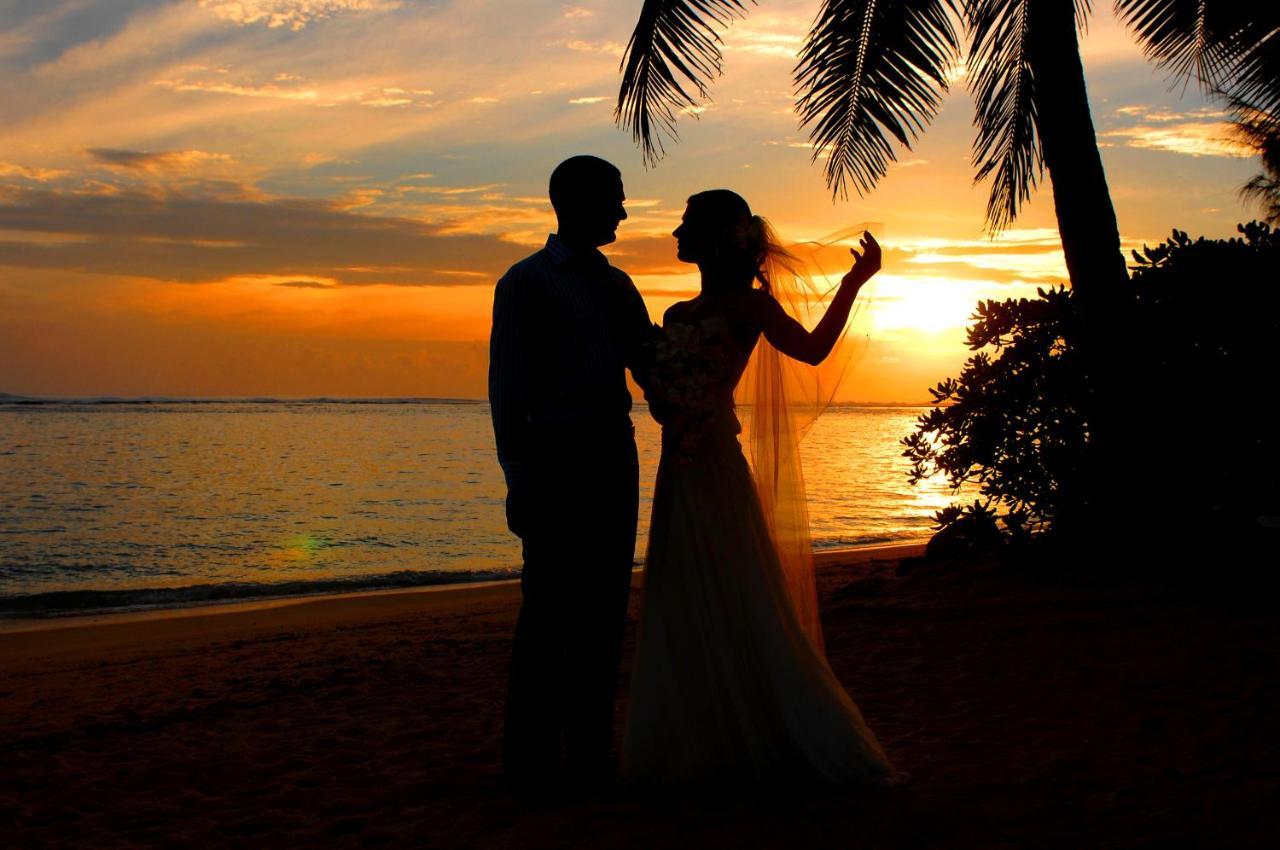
<point>314,197</point>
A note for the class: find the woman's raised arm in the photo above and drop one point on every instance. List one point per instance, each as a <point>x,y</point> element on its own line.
<point>792,339</point>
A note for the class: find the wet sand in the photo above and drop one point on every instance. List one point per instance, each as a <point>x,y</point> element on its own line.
<point>1030,711</point>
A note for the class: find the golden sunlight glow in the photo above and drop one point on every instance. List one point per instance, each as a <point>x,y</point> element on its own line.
<point>931,305</point>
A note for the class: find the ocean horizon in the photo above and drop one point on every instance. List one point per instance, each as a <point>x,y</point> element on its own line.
<point>114,503</point>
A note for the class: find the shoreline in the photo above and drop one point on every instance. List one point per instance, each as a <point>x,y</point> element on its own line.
<point>392,596</point>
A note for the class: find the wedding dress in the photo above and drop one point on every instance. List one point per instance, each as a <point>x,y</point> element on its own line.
<point>727,686</point>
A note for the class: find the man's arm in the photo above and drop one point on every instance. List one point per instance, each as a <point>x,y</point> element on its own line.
<point>509,388</point>
<point>639,329</point>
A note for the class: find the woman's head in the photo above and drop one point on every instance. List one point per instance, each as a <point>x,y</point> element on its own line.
<point>721,235</point>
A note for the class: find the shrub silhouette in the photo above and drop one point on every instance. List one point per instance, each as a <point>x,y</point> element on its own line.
<point>1201,320</point>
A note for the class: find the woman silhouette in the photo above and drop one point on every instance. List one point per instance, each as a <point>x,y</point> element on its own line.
<point>730,683</point>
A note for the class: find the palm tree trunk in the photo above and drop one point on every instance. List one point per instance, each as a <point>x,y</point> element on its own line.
<point>1091,246</point>
<point>1086,218</point>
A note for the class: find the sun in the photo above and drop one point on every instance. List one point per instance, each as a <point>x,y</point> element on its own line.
<point>927,305</point>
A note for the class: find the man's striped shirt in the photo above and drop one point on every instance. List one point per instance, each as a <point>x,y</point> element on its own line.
<point>565,326</point>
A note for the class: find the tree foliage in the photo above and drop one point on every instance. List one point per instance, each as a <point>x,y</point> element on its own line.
<point>1202,317</point>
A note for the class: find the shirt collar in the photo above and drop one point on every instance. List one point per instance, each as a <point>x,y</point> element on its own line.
<point>562,255</point>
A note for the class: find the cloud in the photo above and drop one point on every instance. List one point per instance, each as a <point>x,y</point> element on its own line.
<point>305,284</point>
<point>780,44</point>
<point>580,101</point>
<point>1199,131</point>
<point>450,190</point>
<point>1019,256</point>
<point>294,14</point>
<point>291,87</point>
<point>1194,138</point>
<point>271,90</point>
<point>385,96</point>
<point>1046,266</point>
<point>315,159</point>
<point>1133,110</point>
<point>355,198</point>
<point>40,175</point>
<point>613,48</point>
<point>1153,113</point>
<point>157,160</point>
<point>178,236</point>
<point>770,36</point>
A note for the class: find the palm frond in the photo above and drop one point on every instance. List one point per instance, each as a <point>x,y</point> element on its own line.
<point>871,71</point>
<point>1264,190</point>
<point>1255,74</point>
<point>672,37</point>
<point>1229,47</point>
<point>1084,8</point>
<point>1190,38</point>
<point>1003,86</point>
<point>1260,130</point>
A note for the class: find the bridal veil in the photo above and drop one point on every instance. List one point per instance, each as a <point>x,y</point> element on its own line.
<point>779,399</point>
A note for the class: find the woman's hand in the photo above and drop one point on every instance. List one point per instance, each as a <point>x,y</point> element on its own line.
<point>867,263</point>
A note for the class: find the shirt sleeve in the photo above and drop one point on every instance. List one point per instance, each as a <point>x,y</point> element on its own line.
<point>639,330</point>
<point>508,377</point>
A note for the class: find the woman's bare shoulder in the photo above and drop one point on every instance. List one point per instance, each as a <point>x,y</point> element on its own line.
<point>677,312</point>
<point>759,304</point>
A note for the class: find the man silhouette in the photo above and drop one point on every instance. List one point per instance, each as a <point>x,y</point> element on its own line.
<point>565,326</point>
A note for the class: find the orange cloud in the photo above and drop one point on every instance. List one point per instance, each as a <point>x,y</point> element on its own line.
<point>1194,138</point>
<point>293,14</point>
<point>39,175</point>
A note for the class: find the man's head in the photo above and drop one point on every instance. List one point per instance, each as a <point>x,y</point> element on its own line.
<point>587,195</point>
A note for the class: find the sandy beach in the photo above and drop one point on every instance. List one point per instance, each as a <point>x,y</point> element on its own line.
<point>1030,712</point>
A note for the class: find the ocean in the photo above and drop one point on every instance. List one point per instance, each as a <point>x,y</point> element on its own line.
<point>126,505</point>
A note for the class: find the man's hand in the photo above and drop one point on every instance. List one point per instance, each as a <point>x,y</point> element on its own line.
<point>517,510</point>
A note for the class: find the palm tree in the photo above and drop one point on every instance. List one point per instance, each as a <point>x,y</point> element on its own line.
<point>873,72</point>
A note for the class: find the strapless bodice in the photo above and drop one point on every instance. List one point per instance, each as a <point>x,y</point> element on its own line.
<point>695,368</point>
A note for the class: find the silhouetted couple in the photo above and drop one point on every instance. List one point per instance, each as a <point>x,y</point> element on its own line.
<point>729,682</point>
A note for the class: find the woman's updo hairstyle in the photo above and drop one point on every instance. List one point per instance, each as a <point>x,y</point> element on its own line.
<point>749,237</point>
